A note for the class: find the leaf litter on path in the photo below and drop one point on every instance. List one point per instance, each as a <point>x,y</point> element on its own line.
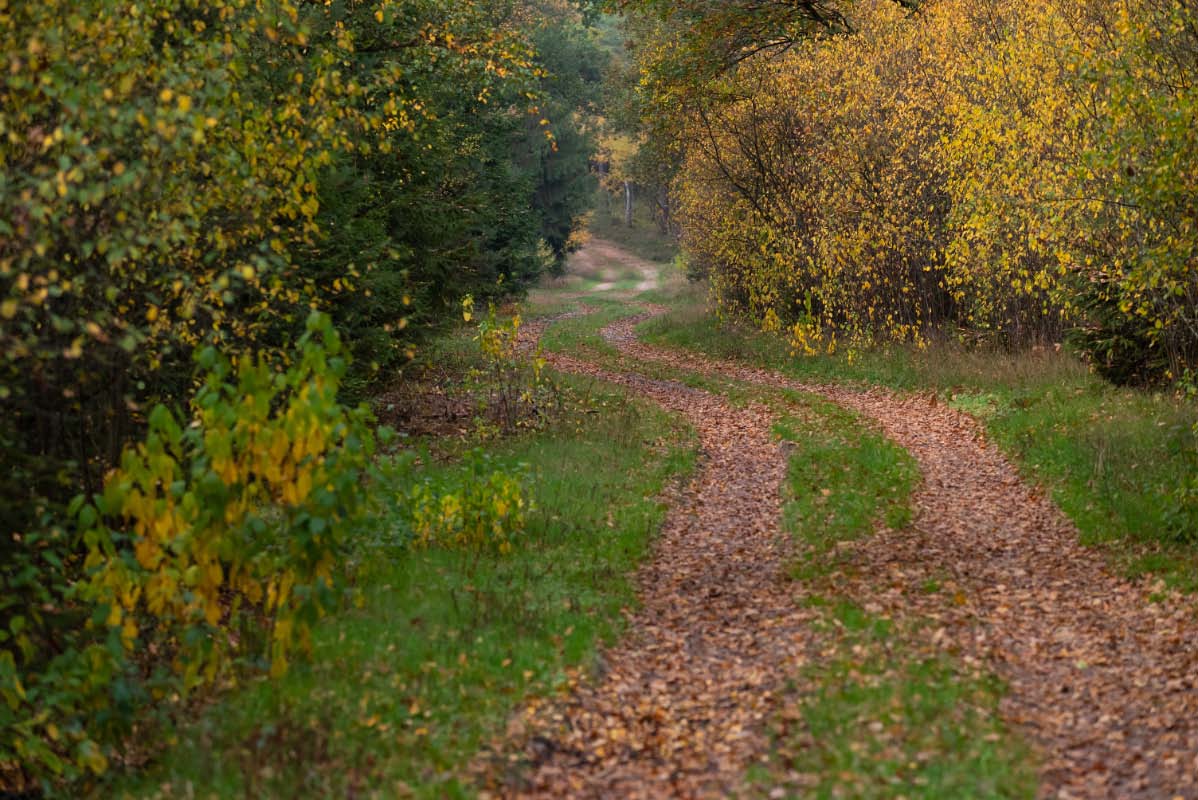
<point>1100,676</point>
<point>1102,672</point>
<point>679,706</point>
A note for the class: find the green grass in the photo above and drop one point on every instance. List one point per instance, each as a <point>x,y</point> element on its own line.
<point>1116,460</point>
<point>843,478</point>
<point>582,336</point>
<point>543,304</point>
<point>880,712</point>
<point>401,693</point>
<point>878,716</point>
<point>581,333</point>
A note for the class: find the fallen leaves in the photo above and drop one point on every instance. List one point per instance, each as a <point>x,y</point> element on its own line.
<point>1102,679</point>
<point>678,710</point>
<point>1125,724</point>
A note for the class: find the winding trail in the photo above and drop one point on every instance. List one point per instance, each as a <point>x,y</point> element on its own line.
<point>1101,680</point>
<point>678,709</point>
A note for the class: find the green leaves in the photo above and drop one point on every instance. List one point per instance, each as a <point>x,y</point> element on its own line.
<point>479,507</point>
<point>183,183</point>
<point>210,537</point>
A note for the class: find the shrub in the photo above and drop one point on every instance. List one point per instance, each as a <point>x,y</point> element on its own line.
<point>214,542</point>
<point>478,506</point>
<point>510,384</point>
<point>992,169</point>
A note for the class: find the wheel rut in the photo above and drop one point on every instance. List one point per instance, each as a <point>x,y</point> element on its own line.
<point>1100,679</point>
<point>1102,672</point>
<point>677,710</point>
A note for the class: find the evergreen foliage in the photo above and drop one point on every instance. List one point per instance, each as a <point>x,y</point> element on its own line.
<point>183,177</point>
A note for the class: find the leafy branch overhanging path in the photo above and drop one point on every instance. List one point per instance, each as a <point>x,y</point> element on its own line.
<point>1101,679</point>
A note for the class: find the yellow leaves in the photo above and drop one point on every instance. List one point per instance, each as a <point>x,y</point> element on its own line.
<point>161,593</point>
<point>941,169</point>
<point>484,510</point>
<point>278,447</point>
<point>187,562</point>
<point>128,632</point>
<point>148,553</point>
<point>91,757</point>
<point>227,469</point>
<point>295,491</point>
<point>212,612</point>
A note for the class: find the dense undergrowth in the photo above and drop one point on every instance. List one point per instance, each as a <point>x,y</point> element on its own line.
<point>872,172</point>
<point>183,183</point>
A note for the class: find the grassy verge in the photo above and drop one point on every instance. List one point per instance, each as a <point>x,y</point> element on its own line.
<point>843,478</point>
<point>1122,463</point>
<point>888,718</point>
<point>401,693</point>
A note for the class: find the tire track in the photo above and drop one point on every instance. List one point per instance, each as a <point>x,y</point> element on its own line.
<point>1101,677</point>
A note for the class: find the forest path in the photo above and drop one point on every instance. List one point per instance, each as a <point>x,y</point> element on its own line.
<point>603,266</point>
<point>679,706</point>
<point>1101,672</point>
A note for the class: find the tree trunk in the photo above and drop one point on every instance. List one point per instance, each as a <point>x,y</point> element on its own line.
<point>663,205</point>
<point>628,203</point>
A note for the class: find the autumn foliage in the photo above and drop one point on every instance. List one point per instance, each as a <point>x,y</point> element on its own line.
<point>217,219</point>
<point>1004,172</point>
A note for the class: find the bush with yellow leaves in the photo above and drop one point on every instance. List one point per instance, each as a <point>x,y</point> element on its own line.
<point>216,541</point>
<point>998,170</point>
<point>510,384</point>
<point>479,506</point>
